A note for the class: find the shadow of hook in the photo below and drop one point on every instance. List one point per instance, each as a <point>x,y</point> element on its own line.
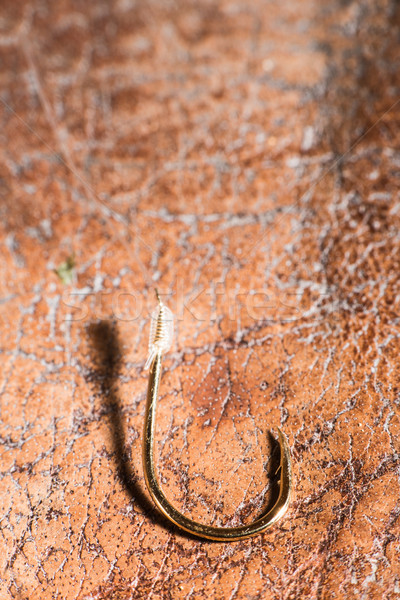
<point>106,356</point>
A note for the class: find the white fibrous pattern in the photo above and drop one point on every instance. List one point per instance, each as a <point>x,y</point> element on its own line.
<point>161,332</point>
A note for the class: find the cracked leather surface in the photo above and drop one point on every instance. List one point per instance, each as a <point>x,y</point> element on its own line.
<point>243,157</point>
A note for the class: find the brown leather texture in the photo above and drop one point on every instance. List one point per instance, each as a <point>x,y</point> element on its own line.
<point>243,157</point>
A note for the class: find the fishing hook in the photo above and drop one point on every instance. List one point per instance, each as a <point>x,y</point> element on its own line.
<point>160,341</point>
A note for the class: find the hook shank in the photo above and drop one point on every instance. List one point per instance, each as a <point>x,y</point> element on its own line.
<point>222,534</point>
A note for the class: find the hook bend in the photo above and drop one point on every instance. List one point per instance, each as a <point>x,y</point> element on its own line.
<point>221,534</point>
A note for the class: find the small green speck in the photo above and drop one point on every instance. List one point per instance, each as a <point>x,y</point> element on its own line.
<point>66,270</point>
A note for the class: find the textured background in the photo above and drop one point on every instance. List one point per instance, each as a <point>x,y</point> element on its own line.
<point>243,157</point>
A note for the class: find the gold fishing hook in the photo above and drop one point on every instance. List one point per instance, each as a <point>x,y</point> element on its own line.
<point>160,341</point>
